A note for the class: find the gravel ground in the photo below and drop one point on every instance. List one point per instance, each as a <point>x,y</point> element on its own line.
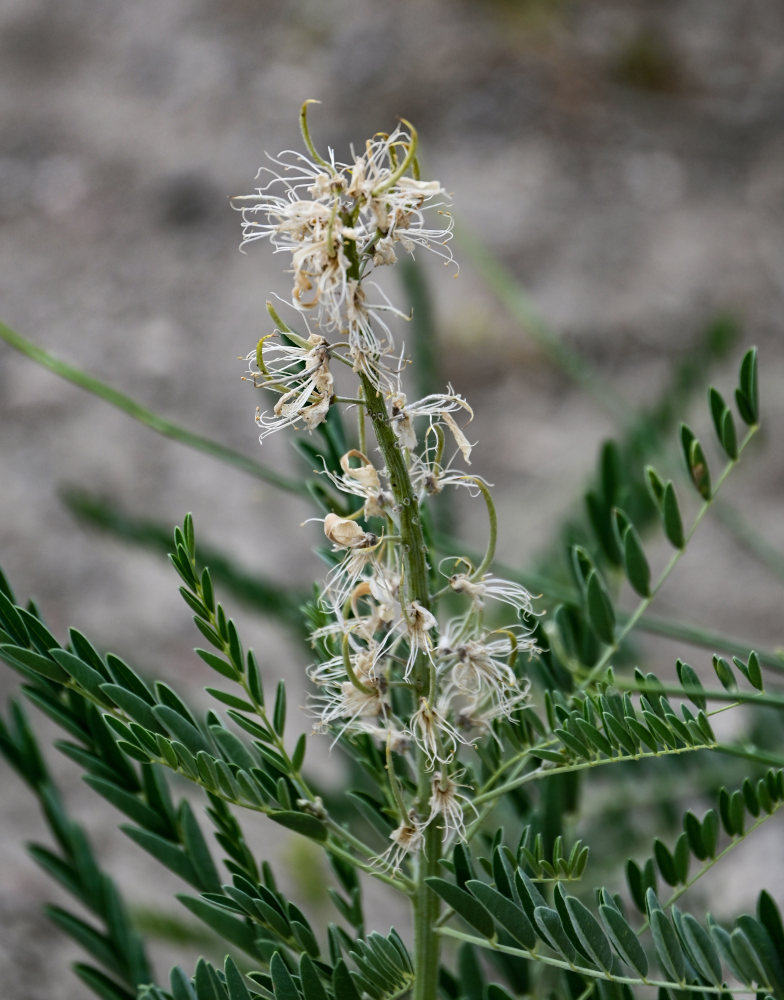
<point>623,161</point>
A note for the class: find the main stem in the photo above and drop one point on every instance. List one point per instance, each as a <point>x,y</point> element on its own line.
<point>426,902</point>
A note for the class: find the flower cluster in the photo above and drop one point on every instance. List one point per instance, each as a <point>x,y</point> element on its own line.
<point>338,222</point>
<point>424,686</point>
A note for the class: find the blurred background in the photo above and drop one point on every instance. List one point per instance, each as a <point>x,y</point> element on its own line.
<point>617,170</point>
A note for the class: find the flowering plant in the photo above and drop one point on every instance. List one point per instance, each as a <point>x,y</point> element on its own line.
<point>461,701</point>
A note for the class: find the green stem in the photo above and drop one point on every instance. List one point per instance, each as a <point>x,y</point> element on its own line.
<point>706,867</point>
<point>414,548</point>
<point>559,963</point>
<point>496,792</point>
<point>147,417</point>
<point>426,903</point>
<point>493,520</point>
<point>642,607</point>
<point>426,909</point>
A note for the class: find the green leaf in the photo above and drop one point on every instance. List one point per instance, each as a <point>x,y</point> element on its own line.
<point>11,621</point>
<point>747,959</point>
<point>181,985</point>
<point>85,676</point>
<point>218,663</point>
<point>207,590</point>
<point>496,992</point>
<point>250,725</point>
<point>595,738</point>
<point>698,467</point>
<point>754,673</point>
<point>232,700</point>
<point>639,881</point>
<point>312,987</point>
<point>701,949</point>
<point>101,984</point>
<point>300,822</point>
<point>724,673</point>
<point>770,918</point>
<point>255,688</point>
<point>19,656</point>
<point>589,933</point>
<point>134,752</point>
<point>342,982</point>
<point>600,611</point>
<point>723,423</point>
<point>769,958</point>
<point>279,712</point>
<point>188,535</point>
<point>688,677</point>
<point>665,862</point>
<point>635,563</point>
<point>209,633</point>
<point>710,833</point>
<point>671,517</point>
<point>688,438</point>
<point>552,931</point>
<point>655,485</point>
<point>298,757</point>
<point>665,939</point>
<point>305,938</point>
<point>206,982</point>
<point>506,913</point>
<point>620,733</point>
<point>195,604</point>
<point>575,744</point>
<point>197,851</point>
<point>582,565</point>
<point>470,973</point>
<point>503,871</point>
<point>180,729</point>
<point>127,803</point>
<point>624,939</point>
<point>94,943</point>
<point>282,982</point>
<point>134,706</point>
<point>233,748</point>
<point>61,871</point>
<point>747,393</point>
<point>680,856</point>
<point>235,647</point>
<point>128,678</point>
<point>469,908</point>
<point>233,930</point>
<point>170,855</point>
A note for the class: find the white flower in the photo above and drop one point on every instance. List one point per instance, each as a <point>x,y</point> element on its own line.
<point>300,373</point>
<point>418,622</point>
<point>447,803</point>
<point>493,587</point>
<point>438,407</point>
<point>476,672</point>
<point>358,710</point>
<point>406,839</point>
<point>337,221</point>
<point>363,480</point>
<point>480,719</point>
<point>435,736</point>
<point>429,477</point>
